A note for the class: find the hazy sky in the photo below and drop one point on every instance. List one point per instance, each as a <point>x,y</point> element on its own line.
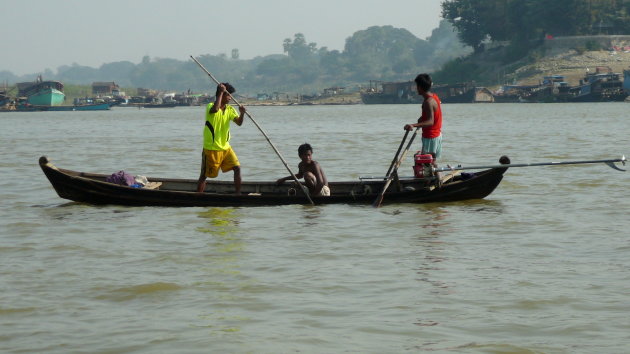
<point>41,34</point>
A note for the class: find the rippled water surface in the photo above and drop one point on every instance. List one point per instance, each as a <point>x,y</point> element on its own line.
<point>541,265</point>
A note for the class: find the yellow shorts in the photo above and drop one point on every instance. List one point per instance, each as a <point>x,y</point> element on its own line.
<point>212,160</point>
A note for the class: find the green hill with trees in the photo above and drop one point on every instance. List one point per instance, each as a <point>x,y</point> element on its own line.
<point>508,34</point>
<point>483,41</point>
<point>377,53</point>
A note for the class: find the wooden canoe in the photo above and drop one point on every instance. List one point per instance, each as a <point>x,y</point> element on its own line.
<point>91,188</point>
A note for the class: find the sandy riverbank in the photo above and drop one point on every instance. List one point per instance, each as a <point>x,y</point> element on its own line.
<point>572,65</point>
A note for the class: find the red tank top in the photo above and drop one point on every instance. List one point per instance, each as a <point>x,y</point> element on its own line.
<point>436,129</point>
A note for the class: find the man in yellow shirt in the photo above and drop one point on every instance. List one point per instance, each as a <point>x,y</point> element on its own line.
<point>217,152</point>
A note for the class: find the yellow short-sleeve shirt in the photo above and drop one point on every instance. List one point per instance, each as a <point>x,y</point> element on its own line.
<point>216,133</point>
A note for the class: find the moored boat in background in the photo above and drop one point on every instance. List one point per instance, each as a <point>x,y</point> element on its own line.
<point>82,107</point>
<point>601,86</point>
<point>22,107</point>
<point>4,98</point>
<point>391,93</point>
<point>160,105</point>
<point>463,93</point>
<point>42,93</point>
<point>406,92</point>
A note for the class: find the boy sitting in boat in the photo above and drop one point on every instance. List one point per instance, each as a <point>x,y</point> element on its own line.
<point>309,169</point>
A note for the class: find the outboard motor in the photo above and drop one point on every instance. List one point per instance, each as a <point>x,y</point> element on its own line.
<point>423,165</point>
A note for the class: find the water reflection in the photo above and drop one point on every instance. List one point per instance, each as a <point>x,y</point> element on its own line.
<point>430,250</point>
<point>223,224</point>
<point>225,245</point>
<point>82,211</point>
<point>223,281</point>
<point>221,221</point>
<point>483,206</point>
<point>438,223</point>
<point>430,254</point>
<point>310,215</point>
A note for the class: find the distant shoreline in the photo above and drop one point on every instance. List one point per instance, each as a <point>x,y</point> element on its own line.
<point>334,100</point>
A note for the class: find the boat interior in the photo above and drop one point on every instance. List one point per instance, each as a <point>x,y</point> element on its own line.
<point>358,187</point>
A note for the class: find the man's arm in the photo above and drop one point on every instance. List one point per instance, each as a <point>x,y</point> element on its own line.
<point>299,175</point>
<point>217,100</point>
<point>239,120</point>
<point>283,179</point>
<point>430,113</point>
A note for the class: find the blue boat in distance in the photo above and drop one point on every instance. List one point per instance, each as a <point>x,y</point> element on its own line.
<point>32,108</point>
<point>84,107</point>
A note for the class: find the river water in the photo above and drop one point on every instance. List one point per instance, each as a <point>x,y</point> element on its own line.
<point>541,265</point>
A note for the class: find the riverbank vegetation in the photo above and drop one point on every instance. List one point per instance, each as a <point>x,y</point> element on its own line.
<point>509,34</point>
<point>381,53</point>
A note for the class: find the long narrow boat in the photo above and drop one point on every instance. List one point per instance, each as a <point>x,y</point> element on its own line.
<point>91,188</point>
<point>81,107</point>
<point>85,107</point>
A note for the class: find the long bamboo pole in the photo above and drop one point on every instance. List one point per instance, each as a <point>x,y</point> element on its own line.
<point>609,162</point>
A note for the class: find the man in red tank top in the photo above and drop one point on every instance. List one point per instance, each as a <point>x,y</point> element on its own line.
<point>431,119</point>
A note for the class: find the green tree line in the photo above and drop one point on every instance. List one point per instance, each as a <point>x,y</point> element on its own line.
<point>524,22</point>
<point>381,53</point>
<point>505,34</point>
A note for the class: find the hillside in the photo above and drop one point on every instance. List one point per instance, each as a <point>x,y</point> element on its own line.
<point>572,65</point>
<point>487,68</point>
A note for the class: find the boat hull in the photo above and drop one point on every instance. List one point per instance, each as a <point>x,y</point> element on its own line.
<point>91,188</point>
<point>160,105</point>
<point>606,96</point>
<point>85,107</point>
<point>46,97</point>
